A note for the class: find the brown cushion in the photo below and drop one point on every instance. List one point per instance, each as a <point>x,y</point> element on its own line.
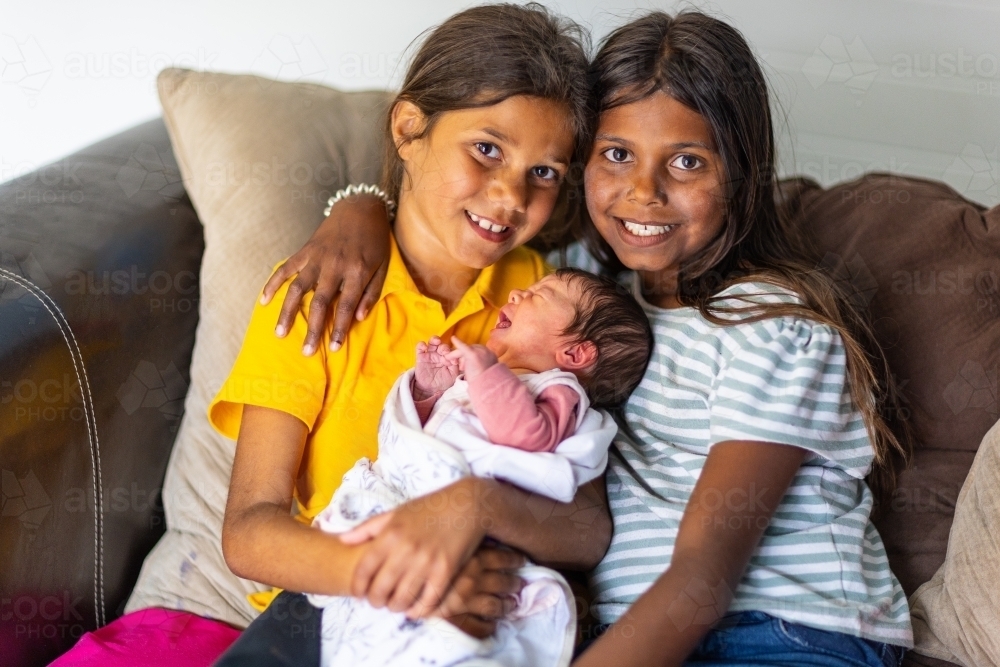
<point>925,264</point>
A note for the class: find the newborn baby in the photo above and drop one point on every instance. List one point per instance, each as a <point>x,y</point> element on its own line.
<point>521,409</point>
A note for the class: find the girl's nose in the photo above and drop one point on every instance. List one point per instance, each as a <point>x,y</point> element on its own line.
<point>509,190</point>
<point>645,188</point>
<point>515,296</point>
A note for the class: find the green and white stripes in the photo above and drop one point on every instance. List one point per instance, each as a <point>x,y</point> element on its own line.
<point>821,562</point>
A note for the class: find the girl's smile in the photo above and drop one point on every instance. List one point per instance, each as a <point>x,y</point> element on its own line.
<point>491,230</point>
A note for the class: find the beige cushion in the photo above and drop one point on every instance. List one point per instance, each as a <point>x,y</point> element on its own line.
<point>956,615</point>
<point>259,158</point>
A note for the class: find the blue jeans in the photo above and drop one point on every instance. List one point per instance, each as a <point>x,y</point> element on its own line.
<point>756,639</point>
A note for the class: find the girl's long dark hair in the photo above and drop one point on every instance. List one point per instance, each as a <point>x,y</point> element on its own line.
<point>708,66</point>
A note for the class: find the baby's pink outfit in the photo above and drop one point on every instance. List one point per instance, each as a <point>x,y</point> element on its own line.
<point>511,416</point>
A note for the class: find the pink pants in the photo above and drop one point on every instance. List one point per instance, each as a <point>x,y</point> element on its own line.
<point>152,638</point>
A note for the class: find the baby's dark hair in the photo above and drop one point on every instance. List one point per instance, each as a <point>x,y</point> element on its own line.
<point>484,55</point>
<point>609,317</point>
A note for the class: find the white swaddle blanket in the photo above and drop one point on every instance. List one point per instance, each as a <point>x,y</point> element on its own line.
<point>414,461</point>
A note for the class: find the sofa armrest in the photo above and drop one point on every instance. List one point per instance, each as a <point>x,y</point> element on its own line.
<point>99,263</point>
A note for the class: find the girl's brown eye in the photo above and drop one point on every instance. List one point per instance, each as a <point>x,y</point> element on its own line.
<point>617,154</point>
<point>687,162</point>
<point>488,149</point>
<point>546,173</point>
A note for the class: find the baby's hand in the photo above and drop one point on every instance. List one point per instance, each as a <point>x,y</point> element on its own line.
<point>435,370</point>
<point>472,359</point>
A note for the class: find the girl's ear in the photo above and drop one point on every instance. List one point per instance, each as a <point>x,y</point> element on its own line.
<point>579,356</point>
<point>407,124</point>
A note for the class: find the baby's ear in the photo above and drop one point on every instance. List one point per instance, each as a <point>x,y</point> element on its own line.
<point>577,357</point>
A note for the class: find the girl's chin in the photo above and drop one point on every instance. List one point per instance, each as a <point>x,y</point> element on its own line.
<point>645,260</point>
<point>479,254</point>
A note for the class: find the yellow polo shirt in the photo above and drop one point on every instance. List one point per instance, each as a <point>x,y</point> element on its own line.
<point>339,395</point>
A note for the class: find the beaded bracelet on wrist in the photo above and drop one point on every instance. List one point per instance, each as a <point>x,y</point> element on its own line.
<point>362,189</point>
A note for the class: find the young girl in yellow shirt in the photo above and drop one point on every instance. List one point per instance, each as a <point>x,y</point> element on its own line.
<point>480,138</point>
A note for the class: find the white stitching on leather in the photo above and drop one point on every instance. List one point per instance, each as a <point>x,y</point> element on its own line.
<point>95,446</point>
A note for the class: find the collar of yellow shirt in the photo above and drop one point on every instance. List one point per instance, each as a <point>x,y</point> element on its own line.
<point>492,285</point>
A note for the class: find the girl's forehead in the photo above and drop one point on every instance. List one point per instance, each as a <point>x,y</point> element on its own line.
<point>519,121</point>
<point>657,117</point>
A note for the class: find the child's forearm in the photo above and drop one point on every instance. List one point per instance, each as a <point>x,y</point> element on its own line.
<point>260,539</point>
<point>666,623</point>
<point>572,536</point>
<point>713,546</point>
<point>267,545</point>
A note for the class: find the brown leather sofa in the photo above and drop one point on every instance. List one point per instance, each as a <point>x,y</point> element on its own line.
<point>99,265</point>
<point>92,248</point>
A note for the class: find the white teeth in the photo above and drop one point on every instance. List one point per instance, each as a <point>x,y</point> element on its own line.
<point>486,224</point>
<point>646,230</point>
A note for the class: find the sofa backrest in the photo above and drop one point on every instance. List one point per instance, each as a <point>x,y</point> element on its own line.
<point>924,264</point>
<point>99,260</point>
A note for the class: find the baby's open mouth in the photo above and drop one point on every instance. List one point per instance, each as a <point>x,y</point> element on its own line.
<point>503,322</point>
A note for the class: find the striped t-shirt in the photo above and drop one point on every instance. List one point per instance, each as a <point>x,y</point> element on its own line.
<point>821,562</point>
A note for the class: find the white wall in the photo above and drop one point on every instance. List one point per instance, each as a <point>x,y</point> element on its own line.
<point>906,86</point>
